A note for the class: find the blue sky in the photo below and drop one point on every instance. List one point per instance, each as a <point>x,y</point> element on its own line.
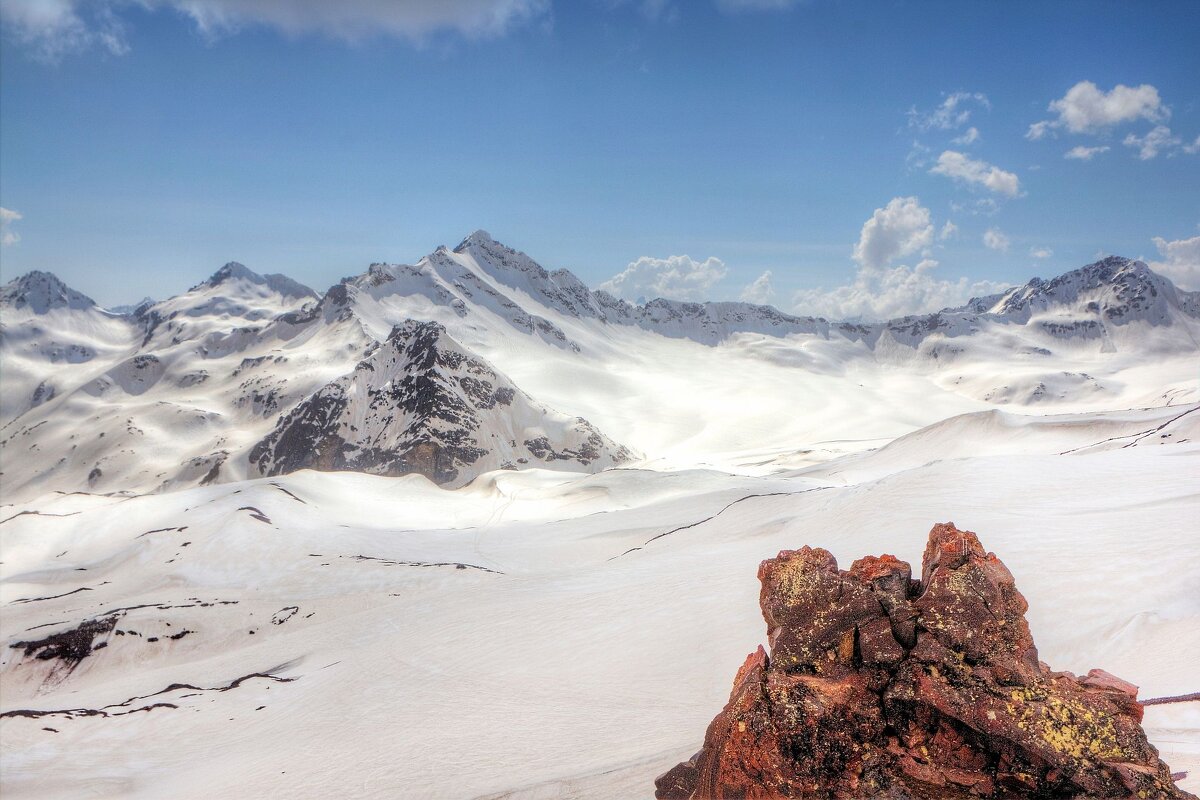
<point>822,141</point>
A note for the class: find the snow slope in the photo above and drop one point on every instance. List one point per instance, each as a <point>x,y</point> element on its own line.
<point>188,610</point>
<point>535,634</point>
<point>51,340</point>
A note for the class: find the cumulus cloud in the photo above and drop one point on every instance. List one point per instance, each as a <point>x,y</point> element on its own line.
<point>7,235</point>
<point>55,27</point>
<point>674,277</point>
<point>880,290</point>
<point>760,290</point>
<point>948,230</point>
<point>994,239</point>
<point>1082,153</point>
<point>1086,108</point>
<point>960,167</point>
<point>1158,140</point>
<point>1181,261</point>
<point>1041,252</point>
<point>898,229</point>
<point>892,292</point>
<point>954,112</point>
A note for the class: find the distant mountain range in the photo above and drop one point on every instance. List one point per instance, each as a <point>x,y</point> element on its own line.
<point>402,369</point>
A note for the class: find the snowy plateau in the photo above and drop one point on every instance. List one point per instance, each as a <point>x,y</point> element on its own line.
<point>468,528</point>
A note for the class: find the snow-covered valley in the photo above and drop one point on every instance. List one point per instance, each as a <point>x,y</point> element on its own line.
<point>561,618</point>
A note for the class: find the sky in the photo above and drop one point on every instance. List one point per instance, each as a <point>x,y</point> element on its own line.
<point>852,159</point>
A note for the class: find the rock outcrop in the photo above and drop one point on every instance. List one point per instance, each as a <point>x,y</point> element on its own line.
<point>878,685</point>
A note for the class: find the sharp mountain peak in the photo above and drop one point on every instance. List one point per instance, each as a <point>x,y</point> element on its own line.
<point>41,291</point>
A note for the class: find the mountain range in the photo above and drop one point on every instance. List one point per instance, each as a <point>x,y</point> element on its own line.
<point>477,358</point>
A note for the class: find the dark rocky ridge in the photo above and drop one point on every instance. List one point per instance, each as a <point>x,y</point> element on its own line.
<point>421,403</point>
<point>878,685</point>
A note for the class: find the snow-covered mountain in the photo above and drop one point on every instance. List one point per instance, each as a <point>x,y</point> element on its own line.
<point>39,292</point>
<point>1115,289</point>
<point>51,340</point>
<point>246,374</point>
<point>192,386</point>
<point>232,295</point>
<point>422,403</point>
<point>482,278</point>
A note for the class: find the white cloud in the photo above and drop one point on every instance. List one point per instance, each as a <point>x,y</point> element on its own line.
<point>674,277</point>
<point>958,166</point>
<point>1194,147</point>
<point>879,290</point>
<point>948,230</point>
<point>52,28</point>
<point>970,136</point>
<point>1181,261</point>
<point>735,6</point>
<point>1158,140</point>
<point>7,235</point>
<point>1086,108</point>
<point>760,290</point>
<point>994,239</point>
<point>898,229</point>
<point>1041,252</point>
<point>954,112</point>
<point>983,206</point>
<point>55,27</point>
<point>893,292</point>
<point>1082,153</point>
<point>353,19</point>
<point>918,156</point>
<point>1038,129</point>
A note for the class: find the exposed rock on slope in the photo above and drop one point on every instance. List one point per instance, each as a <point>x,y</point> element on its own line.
<point>422,403</point>
<point>881,686</point>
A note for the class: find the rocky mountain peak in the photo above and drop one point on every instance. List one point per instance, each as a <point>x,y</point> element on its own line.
<point>494,257</point>
<point>422,403</point>
<point>1115,289</point>
<point>235,271</point>
<point>40,291</point>
<point>478,238</point>
<point>879,685</point>
<point>418,341</point>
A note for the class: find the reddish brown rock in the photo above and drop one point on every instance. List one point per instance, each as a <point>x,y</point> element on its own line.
<point>881,686</point>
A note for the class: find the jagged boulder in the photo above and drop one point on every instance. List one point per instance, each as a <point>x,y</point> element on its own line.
<point>878,685</point>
